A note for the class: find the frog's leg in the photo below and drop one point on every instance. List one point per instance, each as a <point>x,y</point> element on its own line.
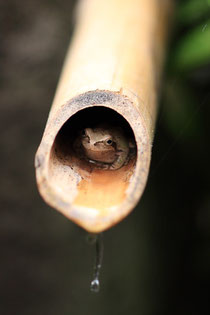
<point>99,165</point>
<point>120,160</point>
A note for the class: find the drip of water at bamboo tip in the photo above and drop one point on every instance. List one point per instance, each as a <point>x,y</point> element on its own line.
<point>110,81</point>
<point>95,283</point>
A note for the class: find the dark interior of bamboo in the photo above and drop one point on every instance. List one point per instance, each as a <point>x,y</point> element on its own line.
<point>95,187</point>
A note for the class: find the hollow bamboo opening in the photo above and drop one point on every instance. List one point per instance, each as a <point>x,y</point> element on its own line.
<point>92,197</point>
<point>94,190</point>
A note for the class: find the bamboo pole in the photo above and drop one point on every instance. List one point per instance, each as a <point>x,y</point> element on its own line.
<point>111,74</point>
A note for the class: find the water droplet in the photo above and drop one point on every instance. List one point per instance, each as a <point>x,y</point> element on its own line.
<point>95,286</point>
<point>204,27</point>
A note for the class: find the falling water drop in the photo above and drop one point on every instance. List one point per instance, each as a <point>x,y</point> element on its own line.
<point>204,27</point>
<point>95,284</point>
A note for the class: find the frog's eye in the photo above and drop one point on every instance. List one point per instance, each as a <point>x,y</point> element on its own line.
<point>109,142</point>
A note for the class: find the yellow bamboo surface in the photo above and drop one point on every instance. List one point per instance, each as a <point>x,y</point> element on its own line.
<point>114,62</point>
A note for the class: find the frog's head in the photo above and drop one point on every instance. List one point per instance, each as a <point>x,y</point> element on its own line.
<point>98,139</point>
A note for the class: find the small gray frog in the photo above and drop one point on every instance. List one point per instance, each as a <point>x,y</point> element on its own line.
<point>106,147</point>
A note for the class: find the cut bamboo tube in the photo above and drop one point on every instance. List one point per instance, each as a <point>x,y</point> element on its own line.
<point>111,74</point>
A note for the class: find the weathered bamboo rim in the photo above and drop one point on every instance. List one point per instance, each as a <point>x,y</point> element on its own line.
<point>93,198</point>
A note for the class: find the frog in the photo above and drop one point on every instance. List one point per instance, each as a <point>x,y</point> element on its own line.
<point>106,147</point>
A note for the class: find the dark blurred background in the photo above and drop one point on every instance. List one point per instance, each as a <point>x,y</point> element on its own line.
<point>157,261</point>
